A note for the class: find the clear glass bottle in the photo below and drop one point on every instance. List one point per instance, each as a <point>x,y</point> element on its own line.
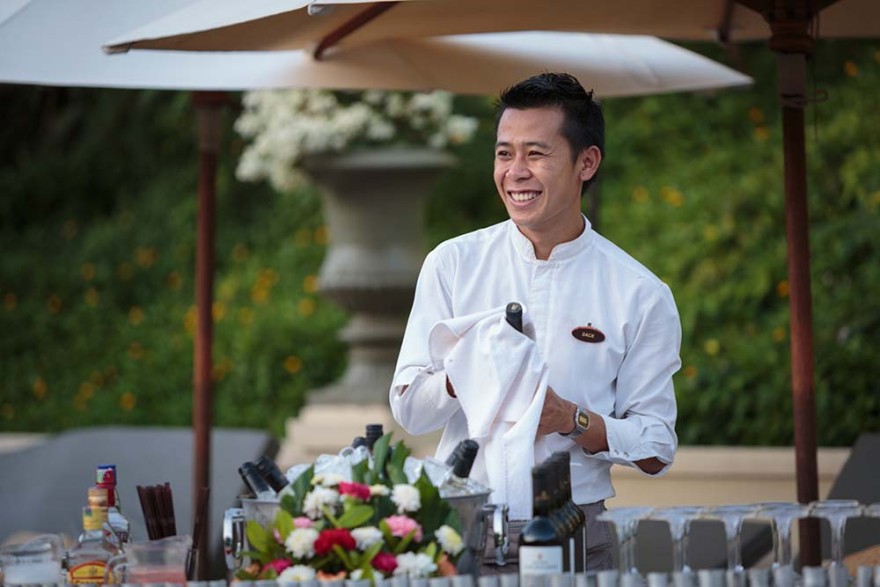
<point>105,478</point>
<point>87,561</point>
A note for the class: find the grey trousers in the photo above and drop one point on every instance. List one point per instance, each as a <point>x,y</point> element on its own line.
<point>600,549</point>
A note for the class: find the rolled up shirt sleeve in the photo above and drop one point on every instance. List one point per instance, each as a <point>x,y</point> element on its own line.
<point>643,423</point>
<point>418,398</point>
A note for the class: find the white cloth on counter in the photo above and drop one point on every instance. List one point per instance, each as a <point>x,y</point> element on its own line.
<point>501,381</point>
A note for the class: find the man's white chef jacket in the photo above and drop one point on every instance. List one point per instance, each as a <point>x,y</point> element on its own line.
<point>586,283</point>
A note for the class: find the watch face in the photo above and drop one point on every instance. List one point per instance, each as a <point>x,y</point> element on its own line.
<point>583,419</point>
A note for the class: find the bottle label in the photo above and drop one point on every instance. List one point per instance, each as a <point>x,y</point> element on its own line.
<point>91,572</point>
<point>539,560</point>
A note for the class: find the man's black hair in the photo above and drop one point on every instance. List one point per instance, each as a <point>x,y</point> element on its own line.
<point>583,124</point>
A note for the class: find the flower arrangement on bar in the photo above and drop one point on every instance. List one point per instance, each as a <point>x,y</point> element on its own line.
<point>284,126</point>
<point>374,526</point>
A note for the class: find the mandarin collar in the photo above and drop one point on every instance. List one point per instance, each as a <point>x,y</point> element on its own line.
<point>560,252</point>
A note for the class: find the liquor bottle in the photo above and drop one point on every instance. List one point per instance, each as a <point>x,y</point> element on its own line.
<point>541,542</point>
<point>460,463</point>
<point>105,477</point>
<point>255,482</point>
<point>269,471</point>
<point>87,561</point>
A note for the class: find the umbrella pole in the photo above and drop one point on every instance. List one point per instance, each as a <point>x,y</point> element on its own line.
<point>792,42</point>
<point>208,106</point>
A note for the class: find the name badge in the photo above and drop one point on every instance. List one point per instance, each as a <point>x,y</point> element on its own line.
<point>588,333</point>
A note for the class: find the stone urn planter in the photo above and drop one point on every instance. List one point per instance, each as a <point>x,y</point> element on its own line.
<point>374,205</point>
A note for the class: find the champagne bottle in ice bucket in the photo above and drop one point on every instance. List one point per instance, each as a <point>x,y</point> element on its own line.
<point>460,463</point>
<point>269,471</point>
<point>255,482</point>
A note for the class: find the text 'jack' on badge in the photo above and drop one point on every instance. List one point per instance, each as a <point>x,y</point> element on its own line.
<point>588,333</point>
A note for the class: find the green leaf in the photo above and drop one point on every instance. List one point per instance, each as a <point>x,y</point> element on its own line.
<point>343,556</point>
<point>360,471</point>
<point>284,523</point>
<point>301,486</point>
<point>329,515</point>
<point>434,510</point>
<point>404,542</point>
<point>431,550</point>
<point>355,516</point>
<point>258,537</point>
<point>380,454</point>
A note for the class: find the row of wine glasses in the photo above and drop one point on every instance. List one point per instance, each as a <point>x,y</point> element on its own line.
<point>780,515</point>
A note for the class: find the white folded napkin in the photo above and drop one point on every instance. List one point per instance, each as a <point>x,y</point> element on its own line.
<point>501,381</point>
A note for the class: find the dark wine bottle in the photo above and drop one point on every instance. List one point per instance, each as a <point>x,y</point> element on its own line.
<point>255,482</point>
<point>269,471</point>
<point>460,463</point>
<point>541,541</point>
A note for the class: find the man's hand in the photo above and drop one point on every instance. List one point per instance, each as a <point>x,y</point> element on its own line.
<point>557,415</point>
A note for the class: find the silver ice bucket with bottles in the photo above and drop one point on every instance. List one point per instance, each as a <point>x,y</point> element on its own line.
<point>474,511</point>
<point>235,527</point>
<point>477,515</point>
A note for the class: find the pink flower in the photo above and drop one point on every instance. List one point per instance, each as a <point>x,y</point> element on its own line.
<point>402,525</point>
<point>302,522</point>
<point>384,562</point>
<point>279,564</point>
<point>356,490</point>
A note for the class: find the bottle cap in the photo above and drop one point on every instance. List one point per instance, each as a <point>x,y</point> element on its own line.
<point>105,475</point>
<point>464,456</point>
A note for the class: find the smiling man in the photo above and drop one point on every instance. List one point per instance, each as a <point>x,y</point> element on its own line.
<point>606,328</point>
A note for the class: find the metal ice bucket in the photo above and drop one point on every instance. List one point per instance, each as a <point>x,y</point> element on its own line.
<point>235,525</point>
<point>475,513</point>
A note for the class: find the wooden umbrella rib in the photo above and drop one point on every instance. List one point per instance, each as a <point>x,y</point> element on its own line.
<point>352,25</point>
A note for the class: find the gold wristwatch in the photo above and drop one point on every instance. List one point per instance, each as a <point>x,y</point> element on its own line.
<point>581,423</point>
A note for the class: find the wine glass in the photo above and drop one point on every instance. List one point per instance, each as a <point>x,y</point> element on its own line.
<point>781,515</point>
<point>836,511</point>
<point>679,519</point>
<point>625,522</point>
<point>732,516</point>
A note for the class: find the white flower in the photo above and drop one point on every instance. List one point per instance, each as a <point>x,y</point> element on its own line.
<point>366,536</point>
<point>301,542</point>
<point>296,573</point>
<point>317,498</point>
<point>406,498</point>
<point>284,126</point>
<point>332,479</point>
<point>356,574</point>
<point>450,540</point>
<point>379,490</point>
<point>414,565</point>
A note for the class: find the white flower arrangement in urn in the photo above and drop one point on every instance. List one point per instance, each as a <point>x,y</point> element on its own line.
<point>283,127</point>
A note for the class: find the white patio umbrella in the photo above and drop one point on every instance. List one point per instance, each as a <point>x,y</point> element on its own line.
<point>789,26</point>
<point>51,42</point>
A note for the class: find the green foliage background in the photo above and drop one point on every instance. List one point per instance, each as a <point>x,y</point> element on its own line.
<point>97,229</point>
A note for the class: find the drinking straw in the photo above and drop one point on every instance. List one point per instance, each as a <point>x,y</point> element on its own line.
<point>147,509</point>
